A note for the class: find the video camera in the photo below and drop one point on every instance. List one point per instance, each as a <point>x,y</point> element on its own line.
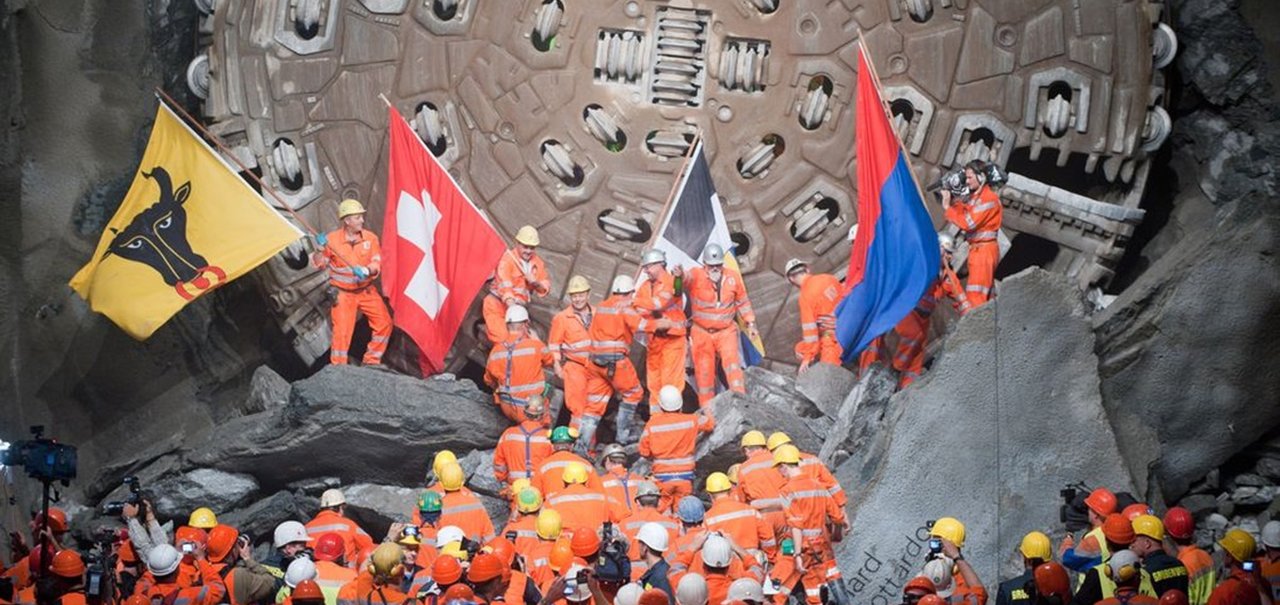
<point>1073,512</point>
<point>954,180</point>
<point>471,547</point>
<point>612,565</point>
<point>42,459</point>
<point>100,566</point>
<point>136,497</point>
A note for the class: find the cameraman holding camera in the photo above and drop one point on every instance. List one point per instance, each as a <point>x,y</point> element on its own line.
<point>975,209</point>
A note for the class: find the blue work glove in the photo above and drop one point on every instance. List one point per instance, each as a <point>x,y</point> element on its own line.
<point>361,273</point>
<point>322,239</point>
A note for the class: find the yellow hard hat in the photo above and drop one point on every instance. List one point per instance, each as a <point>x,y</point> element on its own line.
<point>1150,526</point>
<point>548,525</point>
<point>776,439</point>
<point>1035,545</point>
<point>575,472</point>
<point>454,549</point>
<point>528,236</point>
<point>1239,544</point>
<point>753,439</point>
<point>528,500</point>
<point>518,486</point>
<point>385,560</point>
<point>408,539</point>
<point>452,477</point>
<point>442,458</point>
<point>203,518</point>
<point>717,483</point>
<point>349,207</point>
<point>733,473</point>
<point>786,454</point>
<point>949,529</point>
<point>578,284</point>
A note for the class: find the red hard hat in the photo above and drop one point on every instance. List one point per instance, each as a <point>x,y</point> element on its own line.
<point>920,584</point>
<point>307,590</point>
<point>39,558</point>
<point>503,549</point>
<point>1133,511</point>
<point>459,592</point>
<point>1179,523</point>
<point>1118,529</point>
<point>654,596</point>
<point>931,599</point>
<point>446,570</point>
<point>484,567</point>
<point>1173,597</point>
<point>57,520</point>
<point>1101,501</point>
<point>186,533</point>
<point>329,547</point>
<point>1051,580</point>
<point>222,538</point>
<point>67,564</point>
<point>585,543</point>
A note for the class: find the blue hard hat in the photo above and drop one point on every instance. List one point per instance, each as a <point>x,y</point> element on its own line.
<point>690,509</point>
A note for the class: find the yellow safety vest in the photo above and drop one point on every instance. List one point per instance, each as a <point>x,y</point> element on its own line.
<point>1108,585</point>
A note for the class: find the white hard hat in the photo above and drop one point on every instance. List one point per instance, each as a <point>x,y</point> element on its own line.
<point>332,497</point>
<point>1119,561</point>
<point>669,399</point>
<point>582,592</point>
<point>794,265</point>
<point>946,242</point>
<point>517,314</point>
<point>692,590</point>
<point>1271,534</point>
<point>716,551</point>
<point>302,568</point>
<point>654,536</point>
<point>623,284</point>
<point>290,532</point>
<point>449,533</point>
<point>745,589</point>
<point>713,255</point>
<point>629,594</point>
<point>653,255</point>
<point>939,572</point>
<point>163,560</point>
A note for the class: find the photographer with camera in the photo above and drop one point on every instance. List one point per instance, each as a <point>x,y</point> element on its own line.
<point>959,583</point>
<point>1243,583</point>
<point>140,517</point>
<point>230,555</point>
<point>976,210</point>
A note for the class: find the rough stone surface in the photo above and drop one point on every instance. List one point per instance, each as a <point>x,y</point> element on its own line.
<point>267,391</point>
<point>354,423</point>
<point>375,507</point>
<point>218,490</point>
<point>827,386</point>
<point>958,438</point>
<point>260,519</point>
<point>858,430</point>
<point>768,405</point>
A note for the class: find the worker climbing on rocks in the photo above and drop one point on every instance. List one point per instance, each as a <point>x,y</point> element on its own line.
<point>462,508</point>
<point>761,482</point>
<point>819,295</point>
<point>520,275</point>
<point>619,483</point>
<point>738,521</point>
<point>549,477</point>
<point>331,519</point>
<point>523,447</point>
<point>353,257</point>
<point>570,344</point>
<point>913,330</point>
<point>1201,575</point>
<point>613,327</point>
<point>806,556</point>
<point>1092,549</point>
<point>659,300</point>
<point>717,297</point>
<point>813,467</point>
<point>515,366</point>
<point>979,217</point>
<point>669,440</point>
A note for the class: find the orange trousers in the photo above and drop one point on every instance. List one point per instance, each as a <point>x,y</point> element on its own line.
<point>672,492</point>
<point>870,355</point>
<point>665,366</point>
<point>983,257</point>
<point>913,334</point>
<point>819,568</point>
<point>495,319</point>
<point>706,346</point>
<point>829,349</point>
<point>344,313</point>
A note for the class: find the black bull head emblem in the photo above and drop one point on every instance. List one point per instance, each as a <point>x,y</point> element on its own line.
<point>157,238</point>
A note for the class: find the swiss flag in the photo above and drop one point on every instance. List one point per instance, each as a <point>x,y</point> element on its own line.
<point>438,249</point>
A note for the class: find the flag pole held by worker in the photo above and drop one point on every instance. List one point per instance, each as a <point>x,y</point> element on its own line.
<point>188,224</point>
<point>895,254</point>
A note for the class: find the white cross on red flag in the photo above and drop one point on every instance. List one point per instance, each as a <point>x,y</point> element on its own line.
<point>438,249</point>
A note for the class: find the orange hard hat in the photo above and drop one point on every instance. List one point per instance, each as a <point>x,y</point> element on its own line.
<point>137,600</point>
<point>1135,510</point>
<point>561,556</point>
<point>307,590</point>
<point>446,570</point>
<point>485,567</point>
<point>126,552</point>
<point>1101,501</point>
<point>1118,530</point>
<point>1179,523</point>
<point>1173,597</point>
<point>1052,581</point>
<point>186,533</point>
<point>654,596</point>
<point>585,543</point>
<point>459,592</point>
<point>931,599</point>
<point>67,564</point>
<point>920,584</point>
<point>57,520</point>
<point>502,548</point>
<point>222,538</point>
<point>329,547</point>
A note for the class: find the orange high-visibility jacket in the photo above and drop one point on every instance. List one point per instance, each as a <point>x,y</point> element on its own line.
<point>656,299</point>
<point>761,483</point>
<point>549,476</point>
<point>357,544</point>
<point>740,523</point>
<point>809,507</point>
<point>979,217</point>
<point>514,370</point>
<point>464,509</point>
<point>669,439</point>
<point>613,326</point>
<point>816,470</point>
<point>569,337</point>
<point>630,527</point>
<point>715,304</point>
<point>364,251</point>
<point>520,449</point>
<point>525,528</point>
<point>363,591</point>
<point>819,296</point>
<point>581,507</point>
<point>620,487</point>
<point>511,281</point>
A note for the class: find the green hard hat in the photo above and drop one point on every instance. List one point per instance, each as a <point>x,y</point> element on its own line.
<point>429,502</point>
<point>561,435</point>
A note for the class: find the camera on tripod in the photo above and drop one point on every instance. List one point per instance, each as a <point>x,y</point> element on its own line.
<point>42,459</point>
<point>116,507</point>
<point>1073,512</point>
<point>612,565</point>
<point>100,565</point>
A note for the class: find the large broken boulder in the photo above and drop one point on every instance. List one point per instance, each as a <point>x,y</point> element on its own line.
<point>259,520</point>
<point>858,429</point>
<point>1190,352</point>
<point>1009,414</point>
<point>771,403</point>
<point>354,424</point>
<point>375,507</point>
<point>827,386</point>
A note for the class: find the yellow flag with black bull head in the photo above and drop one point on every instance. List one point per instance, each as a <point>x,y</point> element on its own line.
<point>188,225</point>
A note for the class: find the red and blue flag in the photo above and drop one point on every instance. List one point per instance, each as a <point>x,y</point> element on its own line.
<point>895,253</point>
